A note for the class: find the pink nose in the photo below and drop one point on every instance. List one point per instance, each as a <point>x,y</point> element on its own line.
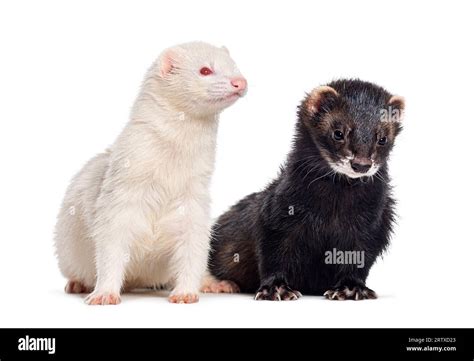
<point>239,84</point>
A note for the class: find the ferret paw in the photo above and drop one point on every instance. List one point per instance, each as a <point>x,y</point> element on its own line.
<point>277,293</point>
<point>103,299</point>
<point>356,293</point>
<point>76,287</point>
<point>220,287</point>
<point>183,298</point>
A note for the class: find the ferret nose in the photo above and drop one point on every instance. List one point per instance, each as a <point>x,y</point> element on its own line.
<point>361,165</point>
<point>239,84</point>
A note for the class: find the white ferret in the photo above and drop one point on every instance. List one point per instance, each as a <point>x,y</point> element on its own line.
<point>138,214</point>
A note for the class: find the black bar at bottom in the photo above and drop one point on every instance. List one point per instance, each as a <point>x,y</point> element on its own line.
<point>334,344</point>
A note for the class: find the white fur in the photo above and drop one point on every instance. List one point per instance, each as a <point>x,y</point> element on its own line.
<point>344,167</point>
<point>138,214</point>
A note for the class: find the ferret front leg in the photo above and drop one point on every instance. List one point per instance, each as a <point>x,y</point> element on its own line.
<point>112,255</point>
<point>189,259</point>
<point>274,285</point>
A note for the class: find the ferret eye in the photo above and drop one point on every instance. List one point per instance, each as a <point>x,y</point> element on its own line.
<point>382,141</point>
<point>338,135</point>
<point>205,71</point>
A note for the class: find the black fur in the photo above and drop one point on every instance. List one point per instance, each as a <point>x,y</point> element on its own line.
<point>274,241</point>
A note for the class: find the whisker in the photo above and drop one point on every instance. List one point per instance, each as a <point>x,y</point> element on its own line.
<point>305,161</point>
<point>310,171</point>
<point>324,175</point>
<point>380,178</point>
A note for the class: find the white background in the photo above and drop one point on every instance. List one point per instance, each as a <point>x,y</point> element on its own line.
<point>70,71</point>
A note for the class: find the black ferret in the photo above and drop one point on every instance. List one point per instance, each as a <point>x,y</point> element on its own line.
<point>332,195</point>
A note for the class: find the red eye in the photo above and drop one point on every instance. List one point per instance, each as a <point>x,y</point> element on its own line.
<point>205,71</point>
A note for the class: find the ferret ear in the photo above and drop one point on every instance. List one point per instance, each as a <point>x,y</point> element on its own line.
<point>396,106</point>
<point>225,49</point>
<point>397,102</point>
<point>318,98</point>
<point>167,62</point>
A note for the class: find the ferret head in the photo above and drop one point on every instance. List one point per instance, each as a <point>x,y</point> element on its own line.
<point>198,78</point>
<point>353,124</point>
